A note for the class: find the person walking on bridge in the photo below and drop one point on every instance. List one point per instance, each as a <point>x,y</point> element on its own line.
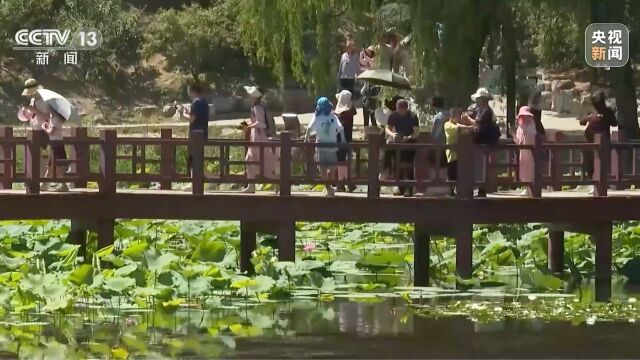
<point>198,115</point>
<point>526,135</point>
<point>327,129</point>
<point>258,130</point>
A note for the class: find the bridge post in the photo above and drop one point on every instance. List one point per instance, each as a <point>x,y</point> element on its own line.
<point>81,155</point>
<point>421,242</point>
<point>466,172</point>
<point>601,165</point>
<point>6,153</point>
<point>373,165</point>
<point>555,251</point>
<point>535,189</point>
<point>108,152</point>
<point>167,158</point>
<point>247,246</point>
<point>464,250</point>
<point>556,161</point>
<point>196,146</point>
<point>285,163</point>
<point>602,238</point>
<point>422,166</point>
<point>287,241</point>
<point>35,138</point>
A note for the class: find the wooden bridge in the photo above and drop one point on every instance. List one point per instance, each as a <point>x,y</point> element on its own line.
<point>98,165</point>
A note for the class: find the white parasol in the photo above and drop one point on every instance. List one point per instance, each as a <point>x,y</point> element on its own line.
<point>60,104</point>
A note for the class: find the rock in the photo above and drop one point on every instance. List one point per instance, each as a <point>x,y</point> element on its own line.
<point>562,101</point>
<point>582,106</point>
<point>546,100</point>
<point>583,87</point>
<point>565,84</point>
<point>147,110</point>
<point>168,110</point>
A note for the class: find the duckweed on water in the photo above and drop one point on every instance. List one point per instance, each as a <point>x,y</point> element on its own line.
<point>164,280</point>
<point>561,309</point>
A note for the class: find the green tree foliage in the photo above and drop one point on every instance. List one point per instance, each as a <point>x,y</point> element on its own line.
<point>201,41</point>
<point>117,25</point>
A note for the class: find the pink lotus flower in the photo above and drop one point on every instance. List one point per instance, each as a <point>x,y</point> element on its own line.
<point>308,247</point>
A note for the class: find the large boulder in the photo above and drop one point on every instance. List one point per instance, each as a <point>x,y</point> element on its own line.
<point>546,100</point>
<point>562,101</point>
<point>147,110</point>
<point>168,110</point>
<point>564,84</point>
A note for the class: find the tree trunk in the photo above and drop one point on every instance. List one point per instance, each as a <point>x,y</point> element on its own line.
<point>620,79</point>
<point>461,52</point>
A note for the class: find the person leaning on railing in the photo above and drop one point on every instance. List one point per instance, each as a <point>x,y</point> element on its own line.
<point>403,127</point>
<point>598,122</point>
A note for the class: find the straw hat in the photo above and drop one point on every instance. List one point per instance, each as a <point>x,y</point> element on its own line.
<point>30,87</point>
<point>253,91</point>
<point>344,101</point>
<point>481,93</point>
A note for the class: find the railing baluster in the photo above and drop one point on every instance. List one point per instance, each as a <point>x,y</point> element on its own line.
<point>285,163</point>
<point>167,159</point>
<point>197,153</point>
<point>80,167</point>
<point>8,155</point>
<point>108,151</point>
<point>466,173</point>
<point>373,166</point>
<point>556,163</point>
<point>32,160</point>
<point>601,165</point>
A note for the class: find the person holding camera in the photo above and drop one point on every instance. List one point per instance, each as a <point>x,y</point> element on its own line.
<point>403,127</point>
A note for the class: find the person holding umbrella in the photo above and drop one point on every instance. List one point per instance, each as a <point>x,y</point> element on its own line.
<point>48,111</point>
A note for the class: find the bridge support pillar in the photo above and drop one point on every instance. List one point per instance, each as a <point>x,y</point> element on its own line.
<point>602,238</point>
<point>555,251</point>
<point>248,237</point>
<point>464,251</point>
<point>600,234</point>
<point>421,255</point>
<point>287,241</point>
<point>104,229</point>
<point>78,236</point>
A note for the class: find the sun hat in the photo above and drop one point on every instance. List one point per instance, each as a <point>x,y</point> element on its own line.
<point>253,91</point>
<point>525,111</point>
<point>344,101</point>
<point>30,87</point>
<point>371,48</point>
<point>24,114</point>
<point>481,93</point>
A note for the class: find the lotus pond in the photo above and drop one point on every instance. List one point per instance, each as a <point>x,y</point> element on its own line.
<point>172,289</point>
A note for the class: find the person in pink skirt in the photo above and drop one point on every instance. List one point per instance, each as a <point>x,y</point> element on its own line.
<point>526,135</point>
<point>258,129</point>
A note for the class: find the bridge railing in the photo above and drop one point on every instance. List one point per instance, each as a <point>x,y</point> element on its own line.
<point>108,160</point>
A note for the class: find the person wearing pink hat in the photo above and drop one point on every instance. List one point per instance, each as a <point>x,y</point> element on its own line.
<point>526,135</point>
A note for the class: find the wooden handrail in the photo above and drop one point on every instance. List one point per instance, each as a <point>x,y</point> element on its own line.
<point>614,162</point>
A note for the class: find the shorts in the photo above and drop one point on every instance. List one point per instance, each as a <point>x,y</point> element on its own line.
<point>57,153</point>
<point>327,156</point>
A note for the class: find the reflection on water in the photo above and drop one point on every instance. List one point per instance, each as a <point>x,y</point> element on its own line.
<point>340,329</point>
